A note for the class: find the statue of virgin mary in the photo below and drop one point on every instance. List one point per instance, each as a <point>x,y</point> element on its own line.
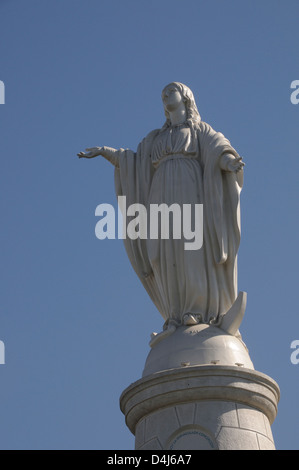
<point>184,162</point>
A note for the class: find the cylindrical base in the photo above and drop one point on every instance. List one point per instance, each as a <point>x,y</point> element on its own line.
<point>202,407</point>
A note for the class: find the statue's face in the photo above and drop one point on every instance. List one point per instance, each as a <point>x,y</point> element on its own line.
<point>172,98</point>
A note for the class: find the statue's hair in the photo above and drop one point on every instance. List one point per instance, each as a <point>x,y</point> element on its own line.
<point>193,116</point>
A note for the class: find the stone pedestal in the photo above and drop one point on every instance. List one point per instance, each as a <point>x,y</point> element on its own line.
<point>196,393</point>
<point>202,407</point>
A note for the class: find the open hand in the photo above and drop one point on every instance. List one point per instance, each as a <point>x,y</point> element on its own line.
<point>235,165</point>
<point>90,152</point>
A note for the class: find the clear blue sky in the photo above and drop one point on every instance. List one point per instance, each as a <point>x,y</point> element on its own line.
<point>74,318</point>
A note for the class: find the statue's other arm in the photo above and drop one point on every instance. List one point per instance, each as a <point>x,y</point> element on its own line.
<point>229,162</point>
<point>111,154</point>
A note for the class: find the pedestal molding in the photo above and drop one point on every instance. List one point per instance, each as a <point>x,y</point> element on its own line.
<point>199,383</point>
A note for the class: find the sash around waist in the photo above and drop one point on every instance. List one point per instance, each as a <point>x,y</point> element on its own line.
<point>173,156</point>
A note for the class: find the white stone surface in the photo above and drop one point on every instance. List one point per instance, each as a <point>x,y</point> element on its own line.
<point>199,389</point>
<point>204,407</point>
<point>186,162</point>
<point>213,426</point>
<point>197,345</point>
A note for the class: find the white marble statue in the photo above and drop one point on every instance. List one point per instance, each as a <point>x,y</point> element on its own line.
<point>184,162</point>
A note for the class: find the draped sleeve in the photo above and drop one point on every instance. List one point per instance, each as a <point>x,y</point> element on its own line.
<point>133,178</point>
<point>221,195</point>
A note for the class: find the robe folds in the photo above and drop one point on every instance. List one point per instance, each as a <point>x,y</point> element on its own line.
<point>182,166</point>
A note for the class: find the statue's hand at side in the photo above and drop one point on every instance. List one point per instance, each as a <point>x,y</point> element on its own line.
<point>235,165</point>
<point>91,152</point>
<point>230,163</point>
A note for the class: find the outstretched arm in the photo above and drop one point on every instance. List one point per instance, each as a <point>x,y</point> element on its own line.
<point>107,152</point>
<point>230,163</point>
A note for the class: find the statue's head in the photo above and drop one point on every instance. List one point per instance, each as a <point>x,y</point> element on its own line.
<point>193,116</point>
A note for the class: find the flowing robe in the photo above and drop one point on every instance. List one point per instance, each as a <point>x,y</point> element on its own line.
<point>182,165</point>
